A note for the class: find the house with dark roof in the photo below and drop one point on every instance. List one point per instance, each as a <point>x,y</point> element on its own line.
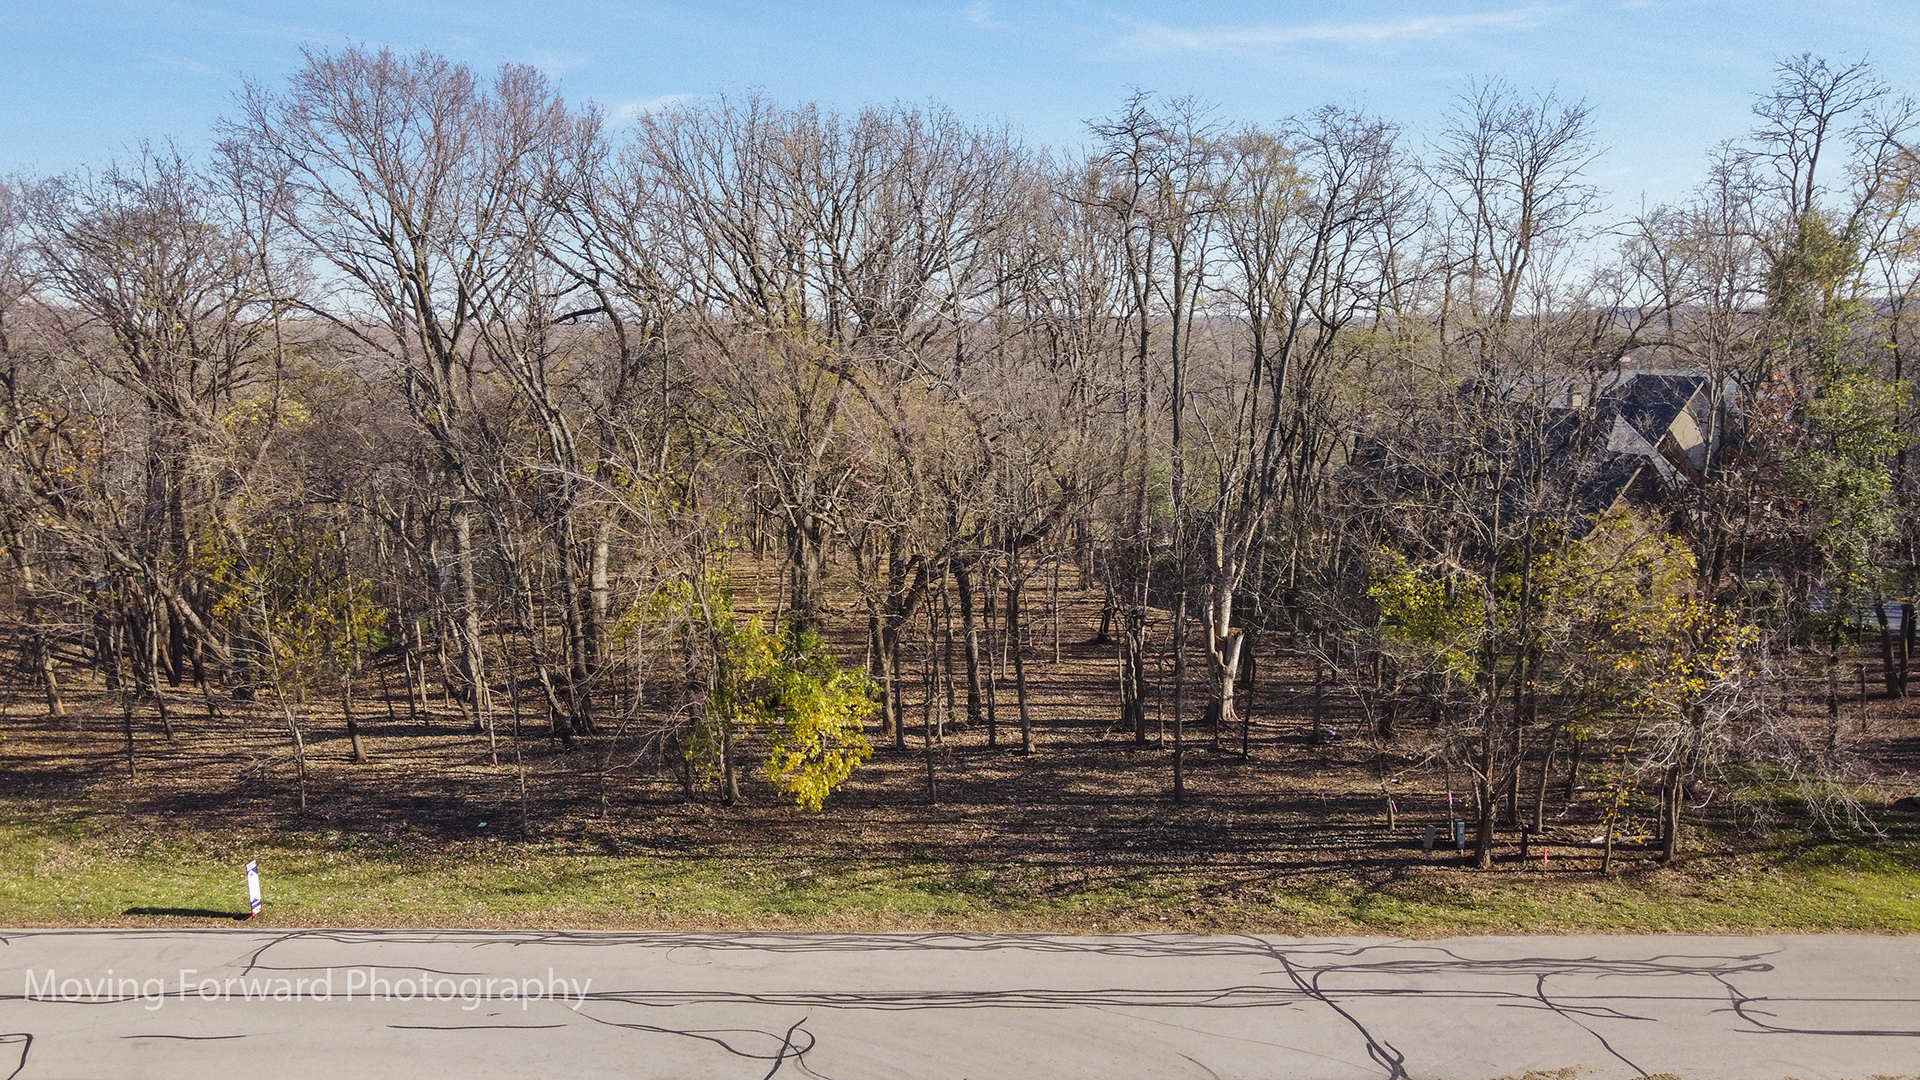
<point>1631,437</point>
<point>1659,430</point>
<point>1634,436</point>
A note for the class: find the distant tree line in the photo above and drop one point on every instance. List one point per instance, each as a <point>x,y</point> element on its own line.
<point>437,378</point>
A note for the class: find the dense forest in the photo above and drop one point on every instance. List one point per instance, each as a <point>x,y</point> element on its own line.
<point>429,388</point>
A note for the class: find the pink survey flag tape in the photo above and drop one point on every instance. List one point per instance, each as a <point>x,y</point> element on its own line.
<point>253,886</point>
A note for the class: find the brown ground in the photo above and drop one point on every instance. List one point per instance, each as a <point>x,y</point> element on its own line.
<point>1087,803</point>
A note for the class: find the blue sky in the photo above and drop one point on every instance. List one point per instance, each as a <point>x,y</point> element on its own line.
<point>82,79</point>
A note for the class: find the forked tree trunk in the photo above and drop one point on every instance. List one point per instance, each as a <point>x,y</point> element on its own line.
<point>37,648</point>
<point>272,652</point>
<point>49,678</point>
<point>804,569</point>
<point>1224,642</point>
<point>152,674</point>
<point>1546,769</point>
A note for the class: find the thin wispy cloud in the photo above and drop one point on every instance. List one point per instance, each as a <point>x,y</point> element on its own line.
<point>1157,38</point>
<point>551,63</point>
<point>982,15</point>
<point>181,63</point>
<point>626,112</point>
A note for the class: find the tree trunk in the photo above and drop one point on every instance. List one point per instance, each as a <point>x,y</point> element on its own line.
<point>472,666</point>
<point>729,780</point>
<point>176,653</point>
<point>928,710</point>
<point>353,726</point>
<point>386,692</point>
<point>1055,604</point>
<point>930,678</point>
<point>576,619</point>
<point>1224,647</point>
<point>1887,670</point>
<point>1546,769</point>
<point>600,584</point>
<point>1833,691</point>
<point>1671,794</point>
<point>37,649</point>
<point>413,704</point>
<point>126,720</point>
<point>152,673</point>
<point>417,674</point>
<point>946,663</point>
<point>1904,659</point>
<point>969,629</point>
<point>49,678</point>
<point>556,726</point>
<point>896,713</point>
<point>107,652</point>
<point>1485,800</point>
<point>1133,676</point>
<point>989,618</point>
<point>1180,695</point>
<point>485,714</point>
<point>804,566</point>
<point>519,762</point>
<point>1249,671</point>
<point>1319,700</point>
<point>1017,641</point>
<point>272,652</point>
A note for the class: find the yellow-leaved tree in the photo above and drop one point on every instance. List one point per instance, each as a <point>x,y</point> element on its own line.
<point>778,683</point>
<point>1678,665</point>
<point>785,685</point>
<point>1606,631</point>
<point>1429,615</point>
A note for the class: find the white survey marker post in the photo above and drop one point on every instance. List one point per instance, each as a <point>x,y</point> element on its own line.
<point>253,886</point>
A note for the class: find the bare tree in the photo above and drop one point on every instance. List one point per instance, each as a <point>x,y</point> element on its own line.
<point>405,177</point>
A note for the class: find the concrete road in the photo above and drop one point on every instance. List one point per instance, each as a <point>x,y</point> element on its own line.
<point>422,1004</point>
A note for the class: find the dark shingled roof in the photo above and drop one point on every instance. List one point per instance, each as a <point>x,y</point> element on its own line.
<point>1639,470</point>
<point>1651,403</point>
